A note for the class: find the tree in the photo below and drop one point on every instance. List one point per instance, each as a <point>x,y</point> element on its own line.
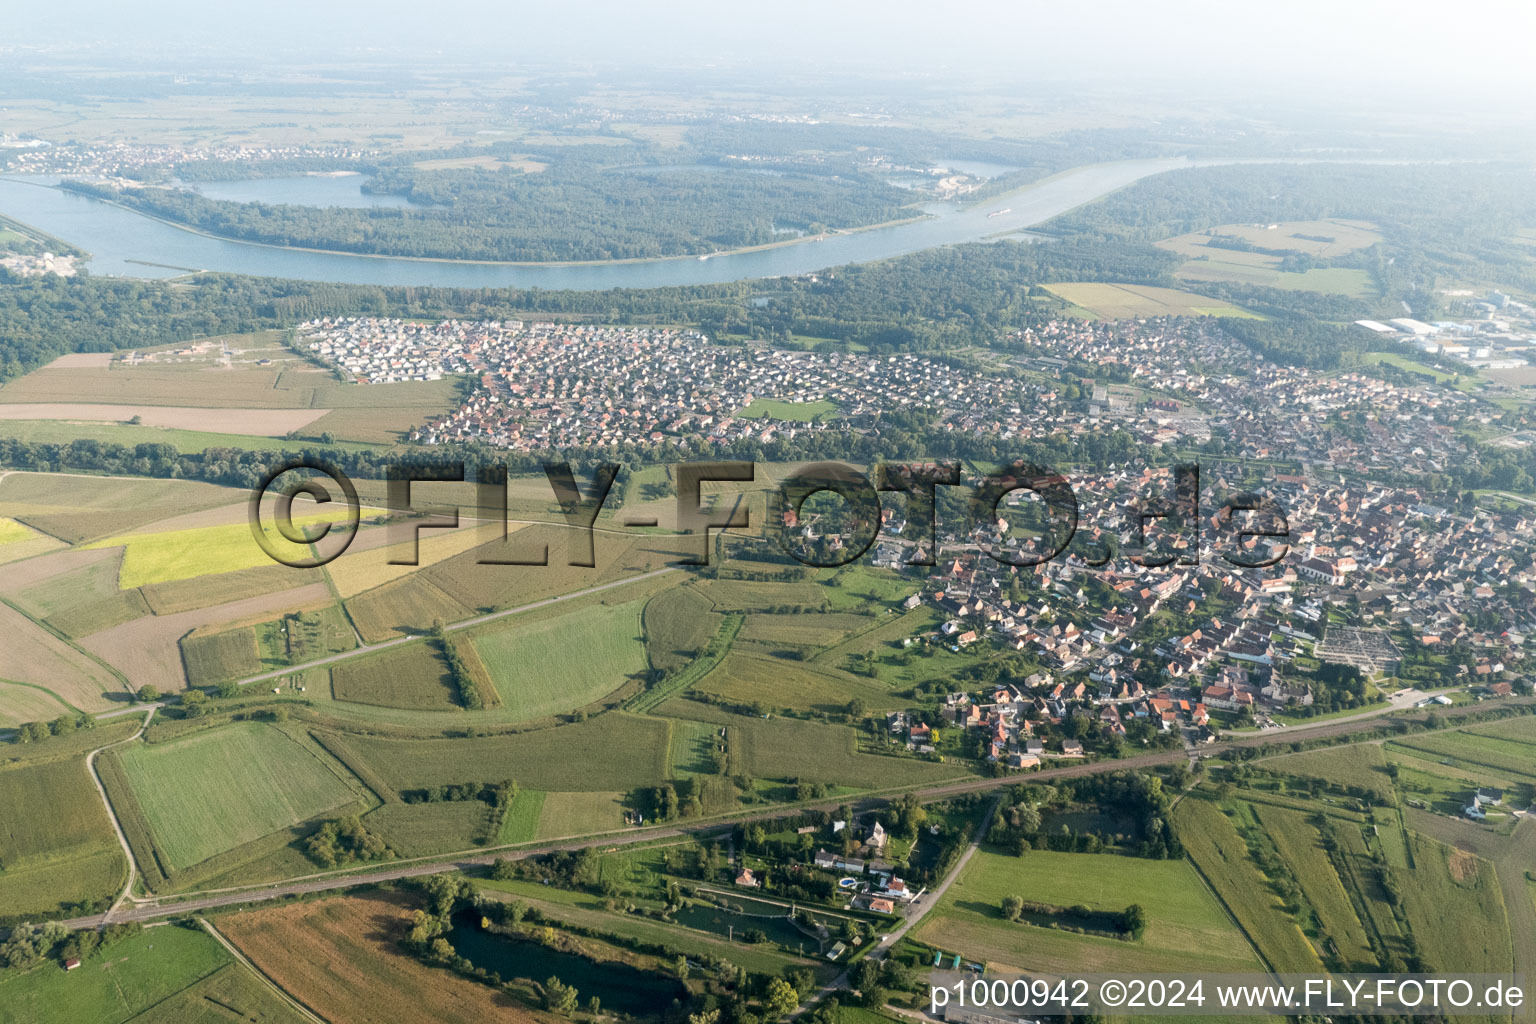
<point>148,693</point>
<point>1134,920</point>
<point>856,708</point>
<point>781,998</point>
<point>1012,907</point>
<point>194,703</point>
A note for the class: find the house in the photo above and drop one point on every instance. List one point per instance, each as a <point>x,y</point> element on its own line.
<point>1072,748</point>
<point>1490,797</point>
<point>747,879</point>
<point>824,860</point>
<point>881,906</point>
<point>71,963</point>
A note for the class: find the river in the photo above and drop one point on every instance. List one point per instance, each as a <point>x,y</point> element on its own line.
<point>125,243</point>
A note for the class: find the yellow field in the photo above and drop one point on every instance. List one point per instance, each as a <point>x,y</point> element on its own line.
<point>1120,301</point>
<point>203,551</point>
<point>356,572</point>
<point>12,532</point>
<point>18,540</point>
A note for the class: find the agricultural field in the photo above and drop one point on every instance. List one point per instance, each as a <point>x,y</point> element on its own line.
<point>414,677</point>
<point>754,596</point>
<point>119,982</point>
<point>1361,764</point>
<point>56,842</point>
<point>557,664</point>
<point>790,748</point>
<point>1221,855</point>
<point>407,606</point>
<point>809,630</point>
<point>341,958</point>
<point>1300,845</point>
<point>167,556</point>
<point>1520,730</point>
<point>147,650</point>
<point>220,656</point>
<point>678,622</point>
<point>208,591</point>
<point>232,989</point>
<point>748,679</point>
<point>1121,301</point>
<point>1187,928</point>
<point>1327,240</point>
<point>17,540</point>
<point>34,655</point>
<point>1474,752</point>
<point>577,814</point>
<point>694,745</point>
<point>522,819</point>
<point>22,702</point>
<point>218,789</point>
<point>81,508</point>
<point>361,570</point>
<point>612,752</point>
<point>419,830</point>
<point>1454,909</point>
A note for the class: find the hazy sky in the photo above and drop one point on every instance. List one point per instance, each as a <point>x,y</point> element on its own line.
<point>1474,46</point>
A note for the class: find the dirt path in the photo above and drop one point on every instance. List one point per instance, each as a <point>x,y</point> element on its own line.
<point>273,986</point>
<point>117,828</point>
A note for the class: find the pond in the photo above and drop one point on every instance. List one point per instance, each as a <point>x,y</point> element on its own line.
<point>621,987</point>
<point>746,915</point>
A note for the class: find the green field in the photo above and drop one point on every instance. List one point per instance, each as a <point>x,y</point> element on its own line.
<point>755,596</point>
<point>1119,301</point>
<point>231,991</point>
<point>56,843</point>
<point>420,830</point>
<point>612,752</point>
<point>555,665</point>
<point>810,629</point>
<point>1474,751</point>
<point>126,978</point>
<point>522,819</point>
<point>744,678</point>
<point>221,656</point>
<point>789,748</point>
<point>1300,845</point>
<point>1222,857</point>
<point>796,412</point>
<point>414,677</point>
<point>1361,764</point>
<point>218,789</point>
<point>1455,910</point>
<point>1521,730</point>
<point>678,622</point>
<point>579,814</point>
<point>1187,929</point>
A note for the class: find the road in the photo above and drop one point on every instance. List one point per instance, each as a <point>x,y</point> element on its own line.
<point>152,909</point>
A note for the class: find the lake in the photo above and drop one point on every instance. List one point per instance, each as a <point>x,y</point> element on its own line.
<point>621,987</point>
